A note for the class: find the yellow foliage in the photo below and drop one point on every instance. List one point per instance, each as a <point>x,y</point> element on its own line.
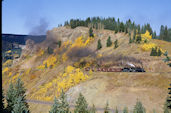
<point>69,78</point>
<point>8,51</point>
<point>7,63</point>
<point>66,43</point>
<point>146,36</point>
<point>64,57</point>
<point>51,61</point>
<point>41,52</point>
<point>15,77</point>
<point>5,70</point>
<point>10,73</point>
<point>148,46</point>
<point>28,71</point>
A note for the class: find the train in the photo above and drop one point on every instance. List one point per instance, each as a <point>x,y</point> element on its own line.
<point>125,69</point>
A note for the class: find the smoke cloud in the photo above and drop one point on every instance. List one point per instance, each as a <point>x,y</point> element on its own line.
<point>40,28</point>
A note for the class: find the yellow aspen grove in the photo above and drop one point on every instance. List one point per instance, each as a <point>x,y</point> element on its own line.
<point>69,78</point>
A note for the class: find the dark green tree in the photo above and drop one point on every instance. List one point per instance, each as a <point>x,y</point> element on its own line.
<point>10,97</point>
<point>106,109</point>
<point>81,105</point>
<point>93,109</point>
<point>116,44</point>
<point>61,105</point>
<point>59,43</point>
<point>125,110</point>
<point>138,108</point>
<point>20,92</point>
<point>159,53</point>
<point>109,42</point>
<point>162,32</point>
<point>55,107</point>
<point>152,52</point>
<point>50,50</point>
<point>138,40</point>
<point>91,32</point>
<point>19,106</point>
<point>99,45</point>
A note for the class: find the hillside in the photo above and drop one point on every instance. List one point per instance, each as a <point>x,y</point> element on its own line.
<point>45,73</point>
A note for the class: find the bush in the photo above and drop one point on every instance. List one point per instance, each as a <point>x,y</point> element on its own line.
<point>109,42</point>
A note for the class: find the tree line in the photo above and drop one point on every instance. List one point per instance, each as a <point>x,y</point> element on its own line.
<point>116,25</point>
<point>16,102</point>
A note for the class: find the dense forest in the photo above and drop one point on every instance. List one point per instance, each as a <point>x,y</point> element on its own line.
<point>116,25</point>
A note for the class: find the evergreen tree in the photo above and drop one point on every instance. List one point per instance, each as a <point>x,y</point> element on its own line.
<point>162,32</point>
<point>59,43</point>
<point>20,92</point>
<point>99,45</point>
<point>55,107</point>
<point>106,110</point>
<point>81,105</point>
<point>116,110</point>
<point>50,50</point>
<point>19,106</point>
<point>138,108</point>
<point>91,32</point>
<point>166,36</point>
<point>152,52</point>
<point>159,52</point>
<point>138,40</point>
<point>10,97</point>
<point>125,110</point>
<point>60,105</point>
<point>63,105</point>
<point>109,42</point>
<point>93,109</point>
<point>116,44</point>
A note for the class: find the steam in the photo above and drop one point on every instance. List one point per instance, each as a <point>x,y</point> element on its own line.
<point>39,29</point>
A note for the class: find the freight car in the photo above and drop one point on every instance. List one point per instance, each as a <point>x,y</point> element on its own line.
<point>125,69</point>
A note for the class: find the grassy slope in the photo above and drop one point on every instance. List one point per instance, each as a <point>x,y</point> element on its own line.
<point>124,83</point>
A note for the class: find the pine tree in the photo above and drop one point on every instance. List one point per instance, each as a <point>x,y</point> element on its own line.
<point>10,97</point>
<point>63,106</point>
<point>138,39</point>
<point>91,32</point>
<point>116,44</point>
<point>99,45</point>
<point>125,110</point>
<point>116,110</point>
<point>20,92</point>
<point>152,52</point>
<point>106,110</point>
<point>55,107</point>
<point>81,105</point>
<point>59,43</point>
<point>93,109</point>
<point>50,50</point>
<point>19,106</point>
<point>109,42</point>
<point>60,105</point>
<point>159,52</point>
<point>138,108</point>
